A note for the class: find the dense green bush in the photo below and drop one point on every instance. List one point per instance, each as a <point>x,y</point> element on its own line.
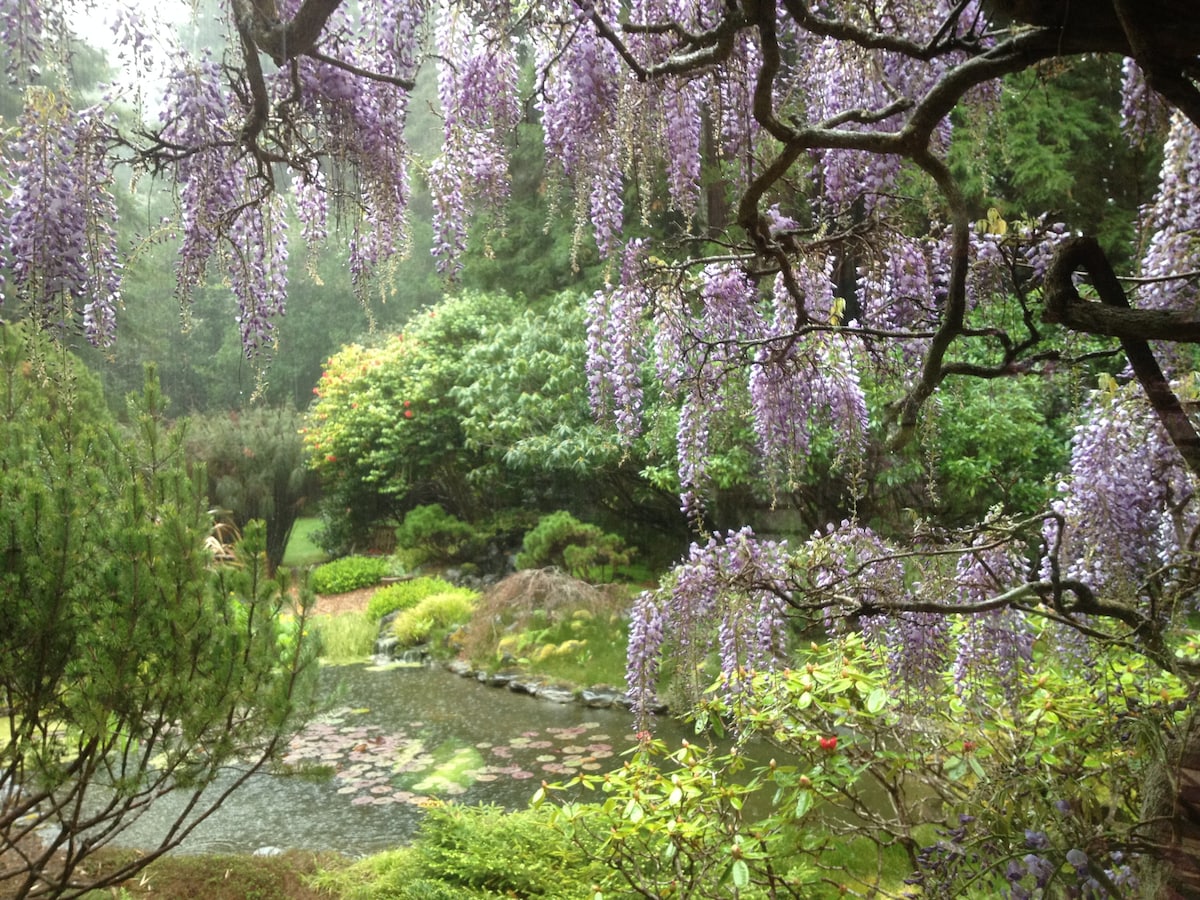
<point>465,852</point>
<point>348,574</point>
<point>433,616</point>
<point>583,550</point>
<point>404,595</point>
<point>435,534</point>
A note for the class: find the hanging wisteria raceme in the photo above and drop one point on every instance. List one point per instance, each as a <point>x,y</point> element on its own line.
<point>1142,113</point>
<point>994,647</point>
<point>258,270</point>
<point>682,122</point>
<point>211,178</point>
<point>360,124</point>
<point>1172,220</point>
<point>733,110</point>
<point>311,196</point>
<point>22,35</point>
<point>895,287</point>
<point>735,585</point>
<point>1124,475</point>
<point>60,217</point>
<point>791,393</point>
<point>728,316</point>
<point>616,347</point>
<point>578,102</point>
<point>92,133</point>
<point>854,573</point>
<point>480,107</point>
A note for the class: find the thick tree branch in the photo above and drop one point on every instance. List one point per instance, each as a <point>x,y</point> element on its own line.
<point>287,40</point>
<point>1065,306</point>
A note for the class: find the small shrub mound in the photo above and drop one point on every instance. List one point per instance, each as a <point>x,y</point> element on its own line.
<point>583,550</point>
<point>348,574</point>
<point>405,595</point>
<point>473,852</point>
<point>434,534</point>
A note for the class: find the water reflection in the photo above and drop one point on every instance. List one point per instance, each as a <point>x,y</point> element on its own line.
<point>394,738</point>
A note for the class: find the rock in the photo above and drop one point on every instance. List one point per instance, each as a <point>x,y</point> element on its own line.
<point>598,697</point>
<point>519,686</point>
<point>555,694</point>
<point>268,851</point>
<point>503,678</point>
<point>460,667</point>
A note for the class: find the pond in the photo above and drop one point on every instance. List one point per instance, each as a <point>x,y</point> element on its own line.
<point>392,739</point>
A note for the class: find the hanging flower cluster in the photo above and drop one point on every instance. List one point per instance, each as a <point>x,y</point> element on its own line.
<point>60,217</point>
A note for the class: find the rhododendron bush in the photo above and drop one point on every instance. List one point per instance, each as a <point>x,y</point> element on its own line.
<point>816,161</point>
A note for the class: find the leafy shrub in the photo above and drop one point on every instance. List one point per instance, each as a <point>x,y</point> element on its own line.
<point>404,595</point>
<point>347,574</point>
<point>576,547</point>
<point>439,536</point>
<point>437,613</point>
<point>466,852</point>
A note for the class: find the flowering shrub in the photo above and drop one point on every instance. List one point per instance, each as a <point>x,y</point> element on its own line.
<point>384,425</point>
<point>830,781</point>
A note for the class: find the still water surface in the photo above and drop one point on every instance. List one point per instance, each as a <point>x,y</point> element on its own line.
<point>392,739</point>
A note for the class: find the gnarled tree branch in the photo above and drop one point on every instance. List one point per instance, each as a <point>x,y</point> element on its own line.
<point>1133,327</point>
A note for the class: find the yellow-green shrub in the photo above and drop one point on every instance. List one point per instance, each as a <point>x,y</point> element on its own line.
<point>405,595</point>
<point>434,615</point>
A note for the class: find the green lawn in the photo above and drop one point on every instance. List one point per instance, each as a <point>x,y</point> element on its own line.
<point>301,551</point>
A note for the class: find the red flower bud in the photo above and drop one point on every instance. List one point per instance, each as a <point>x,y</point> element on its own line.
<point>829,744</point>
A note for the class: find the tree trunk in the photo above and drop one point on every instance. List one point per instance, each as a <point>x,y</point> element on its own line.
<point>1171,807</point>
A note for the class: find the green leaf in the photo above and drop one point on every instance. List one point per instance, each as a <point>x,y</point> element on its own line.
<point>804,802</point>
<point>876,700</point>
<point>740,873</point>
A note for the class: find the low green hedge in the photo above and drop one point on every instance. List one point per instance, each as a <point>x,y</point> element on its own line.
<point>348,574</point>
